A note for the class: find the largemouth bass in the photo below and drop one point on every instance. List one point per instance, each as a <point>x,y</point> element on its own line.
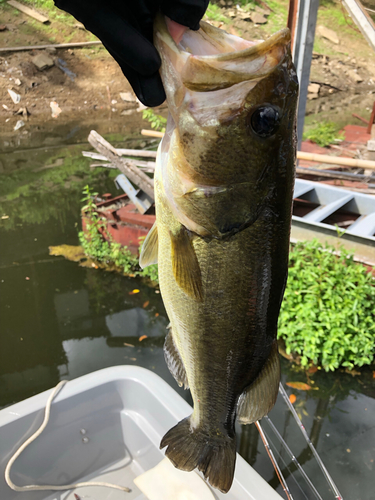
<point>223,188</point>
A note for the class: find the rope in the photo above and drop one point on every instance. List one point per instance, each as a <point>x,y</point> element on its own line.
<point>35,487</point>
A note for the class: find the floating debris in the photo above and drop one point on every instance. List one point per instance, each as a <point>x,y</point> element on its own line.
<point>300,386</point>
<point>42,62</point>
<point>127,97</point>
<point>55,109</point>
<point>328,34</point>
<point>63,65</point>
<point>19,124</point>
<point>14,96</point>
<point>24,112</point>
<point>70,252</point>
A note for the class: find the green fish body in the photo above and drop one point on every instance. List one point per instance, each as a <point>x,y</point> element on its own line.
<point>223,194</point>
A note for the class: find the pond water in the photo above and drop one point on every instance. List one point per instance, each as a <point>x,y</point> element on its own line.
<point>58,320</point>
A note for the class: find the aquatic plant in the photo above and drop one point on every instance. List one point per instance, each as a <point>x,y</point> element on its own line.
<point>157,122</point>
<point>327,315</point>
<point>105,250</point>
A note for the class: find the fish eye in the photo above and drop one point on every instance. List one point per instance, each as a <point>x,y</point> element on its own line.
<point>265,120</point>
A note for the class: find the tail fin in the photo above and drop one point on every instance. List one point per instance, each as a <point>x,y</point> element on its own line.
<point>190,448</point>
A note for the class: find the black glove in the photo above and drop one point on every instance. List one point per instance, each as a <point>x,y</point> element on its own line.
<point>126,29</point>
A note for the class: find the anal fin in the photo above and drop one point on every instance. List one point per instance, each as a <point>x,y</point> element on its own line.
<point>259,398</point>
<point>149,253</point>
<point>174,361</point>
<point>185,265</point>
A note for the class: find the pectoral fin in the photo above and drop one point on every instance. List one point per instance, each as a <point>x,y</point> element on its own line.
<point>258,399</point>
<point>185,265</point>
<point>149,253</point>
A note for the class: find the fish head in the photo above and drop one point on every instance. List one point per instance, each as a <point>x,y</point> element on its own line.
<point>233,119</point>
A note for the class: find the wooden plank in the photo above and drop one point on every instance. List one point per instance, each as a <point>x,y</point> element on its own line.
<point>137,152</point>
<point>336,160</point>
<point>333,174</point>
<point>150,170</point>
<point>123,152</point>
<point>50,46</point>
<point>126,166</point>
<point>30,12</point>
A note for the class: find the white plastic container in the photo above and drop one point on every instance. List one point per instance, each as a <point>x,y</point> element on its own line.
<point>105,426</point>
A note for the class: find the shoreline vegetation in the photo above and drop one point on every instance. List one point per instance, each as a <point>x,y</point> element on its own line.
<point>327,317</point>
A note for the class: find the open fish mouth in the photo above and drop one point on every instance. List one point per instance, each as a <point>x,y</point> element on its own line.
<point>210,68</point>
<point>226,96</point>
<point>211,59</point>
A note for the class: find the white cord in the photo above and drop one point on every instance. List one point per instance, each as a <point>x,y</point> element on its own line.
<point>35,487</point>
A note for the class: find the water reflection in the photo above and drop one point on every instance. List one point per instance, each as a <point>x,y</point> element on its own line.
<point>68,321</point>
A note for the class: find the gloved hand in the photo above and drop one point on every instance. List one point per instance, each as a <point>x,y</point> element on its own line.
<point>126,29</point>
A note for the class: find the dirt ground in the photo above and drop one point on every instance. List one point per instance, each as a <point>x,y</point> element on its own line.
<point>345,71</point>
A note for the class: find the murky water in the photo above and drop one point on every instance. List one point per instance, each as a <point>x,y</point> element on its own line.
<point>59,320</point>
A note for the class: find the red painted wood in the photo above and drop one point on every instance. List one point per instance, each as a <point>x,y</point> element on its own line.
<point>129,224</point>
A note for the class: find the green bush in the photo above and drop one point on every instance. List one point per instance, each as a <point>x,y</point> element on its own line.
<point>328,312</point>
<point>108,251</point>
<point>324,134</point>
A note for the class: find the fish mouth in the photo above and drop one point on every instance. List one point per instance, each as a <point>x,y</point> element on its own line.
<point>211,59</point>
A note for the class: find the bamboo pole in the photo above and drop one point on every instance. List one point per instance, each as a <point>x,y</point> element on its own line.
<point>50,46</point>
<point>301,155</point>
<point>152,133</point>
<point>336,160</point>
